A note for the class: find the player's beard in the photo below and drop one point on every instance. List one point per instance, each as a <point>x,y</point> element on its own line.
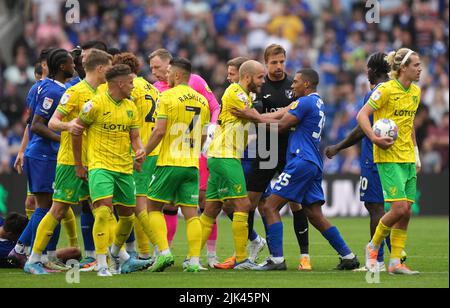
<point>252,87</point>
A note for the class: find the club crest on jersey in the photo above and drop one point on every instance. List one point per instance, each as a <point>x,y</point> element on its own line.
<point>47,104</point>
<point>130,114</point>
<point>87,107</point>
<point>243,98</point>
<point>289,94</point>
<point>64,99</point>
<point>376,95</point>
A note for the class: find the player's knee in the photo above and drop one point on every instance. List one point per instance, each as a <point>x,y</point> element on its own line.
<point>59,211</point>
<point>30,203</point>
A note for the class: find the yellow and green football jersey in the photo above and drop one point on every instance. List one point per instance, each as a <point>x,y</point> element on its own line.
<point>70,105</point>
<point>145,96</point>
<point>392,101</point>
<point>110,123</point>
<point>230,138</point>
<point>186,112</point>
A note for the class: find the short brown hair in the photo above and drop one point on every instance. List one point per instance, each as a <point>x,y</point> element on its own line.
<point>129,59</point>
<point>117,71</point>
<point>96,57</point>
<point>273,50</point>
<point>237,62</point>
<point>162,53</point>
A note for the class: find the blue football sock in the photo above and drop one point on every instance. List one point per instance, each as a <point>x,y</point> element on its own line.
<point>275,239</point>
<point>87,223</point>
<point>380,257</point>
<point>38,215</point>
<point>27,234</point>
<point>53,243</point>
<point>388,242</point>
<point>252,235</point>
<point>132,238</point>
<point>336,241</point>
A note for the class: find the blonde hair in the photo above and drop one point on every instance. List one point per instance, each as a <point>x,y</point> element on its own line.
<point>396,59</point>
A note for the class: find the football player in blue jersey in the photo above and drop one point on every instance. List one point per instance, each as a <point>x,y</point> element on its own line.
<point>371,192</point>
<point>17,256</point>
<point>41,152</point>
<point>301,180</point>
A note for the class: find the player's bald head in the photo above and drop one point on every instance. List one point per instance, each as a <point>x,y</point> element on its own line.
<point>250,68</point>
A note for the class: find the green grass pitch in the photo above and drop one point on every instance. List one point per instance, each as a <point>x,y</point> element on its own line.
<point>427,247</point>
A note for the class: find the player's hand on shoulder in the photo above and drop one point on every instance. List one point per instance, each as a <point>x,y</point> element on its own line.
<point>247,113</point>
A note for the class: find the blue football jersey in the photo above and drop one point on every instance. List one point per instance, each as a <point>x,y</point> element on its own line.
<point>304,141</point>
<point>47,99</point>
<point>31,100</point>
<point>73,81</point>
<point>366,158</point>
<point>5,245</point>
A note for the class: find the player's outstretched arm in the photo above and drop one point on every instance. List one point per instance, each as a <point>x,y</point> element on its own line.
<point>363,118</point>
<point>355,136</point>
<point>157,135</point>
<point>56,124</point>
<point>39,127</point>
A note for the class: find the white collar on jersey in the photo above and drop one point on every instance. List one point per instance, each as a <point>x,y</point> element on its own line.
<point>58,83</point>
<point>315,93</point>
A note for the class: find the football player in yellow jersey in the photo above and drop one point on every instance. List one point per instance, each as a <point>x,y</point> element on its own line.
<point>69,189</point>
<point>226,181</point>
<point>145,96</point>
<point>398,162</point>
<point>182,114</point>
<point>112,126</point>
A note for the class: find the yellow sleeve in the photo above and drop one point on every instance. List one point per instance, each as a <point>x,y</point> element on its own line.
<point>379,97</point>
<point>68,102</point>
<point>89,112</point>
<point>163,107</point>
<point>135,121</point>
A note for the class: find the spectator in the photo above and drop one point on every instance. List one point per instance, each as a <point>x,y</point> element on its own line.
<point>14,141</point>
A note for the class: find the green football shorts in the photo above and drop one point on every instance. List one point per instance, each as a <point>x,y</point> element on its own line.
<point>104,184</point>
<point>399,181</point>
<point>69,188</point>
<point>177,185</point>
<point>143,179</point>
<point>226,180</point>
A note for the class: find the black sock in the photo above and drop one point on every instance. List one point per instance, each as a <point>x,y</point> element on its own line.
<point>251,219</point>
<point>170,213</point>
<point>301,228</point>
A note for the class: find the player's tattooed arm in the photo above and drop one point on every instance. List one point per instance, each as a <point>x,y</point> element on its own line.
<point>56,124</point>
<point>157,135</point>
<point>38,126</point>
<point>355,136</point>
